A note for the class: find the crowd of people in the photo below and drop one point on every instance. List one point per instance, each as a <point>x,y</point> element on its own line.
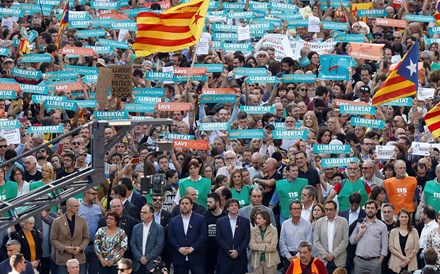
<point>288,180</point>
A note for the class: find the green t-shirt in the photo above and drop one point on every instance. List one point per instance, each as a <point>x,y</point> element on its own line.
<point>39,184</point>
<point>287,192</point>
<point>432,194</point>
<point>8,191</point>
<point>242,196</point>
<point>203,187</point>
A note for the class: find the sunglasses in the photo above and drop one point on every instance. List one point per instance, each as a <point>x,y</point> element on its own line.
<point>76,143</point>
<point>4,146</point>
<point>122,269</point>
<point>156,199</point>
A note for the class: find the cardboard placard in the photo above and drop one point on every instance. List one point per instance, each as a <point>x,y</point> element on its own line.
<point>191,144</point>
<point>121,81</point>
<point>104,76</point>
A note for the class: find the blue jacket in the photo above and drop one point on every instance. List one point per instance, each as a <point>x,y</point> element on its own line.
<point>154,246</point>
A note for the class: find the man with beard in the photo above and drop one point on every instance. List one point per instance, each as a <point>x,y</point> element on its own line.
<point>68,165</point>
<point>371,237</point>
<point>211,216</point>
<point>42,156</point>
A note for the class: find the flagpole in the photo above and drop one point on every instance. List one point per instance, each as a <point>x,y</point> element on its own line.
<point>192,65</point>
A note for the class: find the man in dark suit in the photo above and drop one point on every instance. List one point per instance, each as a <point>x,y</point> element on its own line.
<point>120,192</point>
<point>187,236</point>
<point>352,215</point>
<point>125,222</point>
<point>13,247</point>
<point>133,197</point>
<point>191,193</point>
<point>146,248</point>
<point>233,235</point>
<point>162,217</point>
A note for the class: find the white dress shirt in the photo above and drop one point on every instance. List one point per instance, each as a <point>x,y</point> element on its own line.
<point>330,234</point>
<point>145,232</point>
<point>353,216</point>
<point>233,223</point>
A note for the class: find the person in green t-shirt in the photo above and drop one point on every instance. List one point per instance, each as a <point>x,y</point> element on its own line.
<point>239,190</point>
<point>48,174</point>
<point>8,189</point>
<point>199,183</point>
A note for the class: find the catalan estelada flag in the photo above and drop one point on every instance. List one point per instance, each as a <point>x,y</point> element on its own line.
<point>402,82</point>
<point>177,28</point>
<point>64,23</point>
<point>432,120</point>
<point>23,46</point>
<point>437,13</point>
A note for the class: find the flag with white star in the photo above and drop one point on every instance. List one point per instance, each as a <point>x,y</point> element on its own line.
<point>402,81</point>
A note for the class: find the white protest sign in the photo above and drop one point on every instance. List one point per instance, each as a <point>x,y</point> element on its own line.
<point>314,24</point>
<point>12,136</point>
<point>122,34</point>
<point>203,46</point>
<point>320,47</point>
<point>385,152</point>
<point>280,42</point>
<point>421,149</point>
<point>244,33</point>
<point>425,93</point>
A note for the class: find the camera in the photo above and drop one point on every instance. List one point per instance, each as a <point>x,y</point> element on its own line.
<point>153,184</point>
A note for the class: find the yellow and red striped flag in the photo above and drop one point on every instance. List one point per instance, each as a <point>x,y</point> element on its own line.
<point>432,120</point>
<point>402,82</point>
<point>64,23</point>
<point>177,28</point>
<point>437,13</point>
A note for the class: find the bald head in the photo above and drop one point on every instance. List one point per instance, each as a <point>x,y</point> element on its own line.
<point>191,193</point>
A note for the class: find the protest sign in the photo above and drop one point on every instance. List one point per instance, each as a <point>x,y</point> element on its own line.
<point>104,79</point>
<point>121,81</point>
<point>173,106</point>
<point>334,67</point>
<point>331,149</point>
<point>78,51</point>
<point>191,144</point>
<point>337,162</point>
<point>421,149</point>
<point>385,152</point>
<point>366,51</point>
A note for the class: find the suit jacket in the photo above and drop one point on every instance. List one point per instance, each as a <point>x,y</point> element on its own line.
<point>340,239</point>
<point>246,212</point>
<point>5,267</point>
<point>138,200</point>
<point>60,237</point>
<point>225,242</point>
<point>196,208</point>
<point>25,249</point>
<point>267,246</point>
<point>131,210</point>
<point>153,247</point>
<point>345,214</point>
<point>195,237</point>
<point>165,217</point>
<point>411,249</point>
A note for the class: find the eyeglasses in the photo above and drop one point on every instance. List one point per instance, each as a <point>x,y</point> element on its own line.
<point>28,163</point>
<point>180,159</point>
<point>367,167</point>
<point>76,143</point>
<point>83,154</point>
<point>290,88</point>
<point>230,158</point>
<point>4,146</point>
<point>329,209</point>
<point>303,89</point>
<point>41,150</point>
<point>156,199</point>
<point>123,269</point>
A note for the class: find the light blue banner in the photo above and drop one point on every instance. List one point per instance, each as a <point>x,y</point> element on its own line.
<point>263,79</point>
<point>82,70</point>
<point>101,49</point>
<point>224,36</point>
<point>31,9</point>
<point>300,134</point>
<point>147,99</point>
<point>4,51</point>
<point>244,47</point>
<point>224,28</point>
<point>102,22</point>
<point>76,15</point>
<point>105,5</point>
<point>9,124</point>
<point>418,18</point>
<point>210,67</point>
<point>232,6</point>
<point>407,102</point>
<point>372,13</point>
<point>240,15</point>
<point>38,99</point>
<point>261,26</point>
<point>257,109</point>
<point>159,76</point>
<point>32,35</point>
<point>284,7</point>
<point>110,115</point>
<point>364,122</point>
<point>61,75</point>
<point>65,105</point>
<point>357,110</point>
<point>36,58</point>
<point>264,6</point>
<point>290,16</point>
<point>113,43</point>
<point>184,78</point>
<point>214,126</point>
<point>46,129</point>
<point>246,133</point>
<point>90,33</point>
<point>337,162</point>
<point>299,78</point>
<point>218,98</point>
<point>331,149</point>
<point>79,24</point>
<point>434,30</point>
<point>141,108</point>
<point>181,136</point>
<point>347,38</point>
<point>8,94</point>
<point>135,12</point>
<point>12,12</point>
<point>90,78</point>
<point>85,103</point>
<point>124,24</point>
<point>298,23</point>
<point>36,89</point>
<point>303,62</point>
<point>334,67</point>
<point>244,71</point>
<point>152,92</point>
<point>27,74</point>
<point>329,25</point>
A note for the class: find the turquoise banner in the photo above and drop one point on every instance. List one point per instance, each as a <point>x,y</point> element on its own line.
<point>244,71</point>
<point>286,7</point>
<point>4,51</point>
<point>233,6</point>
<point>210,67</point>
<point>135,12</point>
<point>357,110</point>
<point>224,36</point>
<point>263,80</point>
<point>159,76</point>
<point>102,22</point>
<point>31,9</point>
<point>244,47</point>
<point>372,13</point>
<point>364,122</point>
<point>407,102</point>
<point>46,129</point>
<point>300,134</point>
<point>181,136</point>
<point>257,109</point>
<point>240,15</point>
<point>12,12</point>
<point>246,134</point>
<point>27,74</point>
<point>152,92</point>
<point>61,75</point>
<point>334,67</point>
<point>290,16</point>
<point>105,5</point>
<point>298,23</point>
<point>36,89</point>
<point>101,49</point>
<point>303,62</point>
<point>90,33</point>
<point>9,124</point>
<point>328,25</point>
<point>218,98</point>
<point>418,18</point>
<point>146,99</point>
<point>8,94</point>
<point>36,58</point>
<point>347,38</point>
<point>90,78</point>
<point>38,99</point>
<point>279,125</point>
<point>184,78</point>
<point>337,162</point>
<point>224,28</point>
<point>8,80</point>
<point>85,103</point>
<point>65,105</point>
<point>79,24</point>
<point>264,6</point>
<point>76,15</point>
<point>331,149</point>
<point>113,43</point>
<point>32,35</point>
<point>110,115</point>
<point>141,108</point>
<point>261,26</point>
<point>299,78</point>
<point>81,70</point>
<point>434,30</point>
<point>124,24</point>
<point>214,126</point>
<point>258,32</point>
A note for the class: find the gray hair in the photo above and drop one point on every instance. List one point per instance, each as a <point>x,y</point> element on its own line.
<point>72,262</point>
<point>27,221</point>
<point>13,242</point>
<point>437,168</point>
<point>305,244</point>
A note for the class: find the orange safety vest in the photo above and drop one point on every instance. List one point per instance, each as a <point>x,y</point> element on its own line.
<point>401,193</point>
<point>297,266</point>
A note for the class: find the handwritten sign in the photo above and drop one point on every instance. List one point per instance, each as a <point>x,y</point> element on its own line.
<point>121,83</point>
